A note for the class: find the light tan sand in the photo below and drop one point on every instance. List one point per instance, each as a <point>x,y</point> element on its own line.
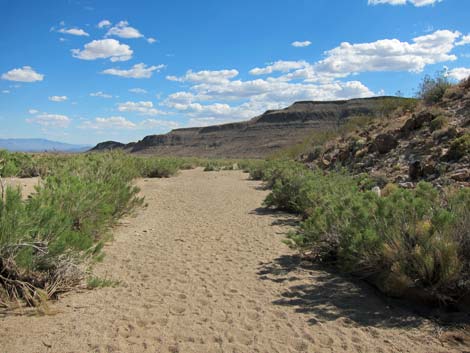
<point>203,269</point>
<point>26,184</point>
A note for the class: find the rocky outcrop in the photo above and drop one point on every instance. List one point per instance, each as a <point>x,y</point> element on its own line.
<point>416,122</point>
<point>431,144</point>
<point>258,137</point>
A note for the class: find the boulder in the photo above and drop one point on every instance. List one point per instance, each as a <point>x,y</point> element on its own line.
<point>417,121</point>
<point>384,143</point>
<point>415,170</point>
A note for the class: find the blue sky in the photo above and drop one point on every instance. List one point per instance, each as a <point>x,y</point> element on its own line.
<point>86,71</point>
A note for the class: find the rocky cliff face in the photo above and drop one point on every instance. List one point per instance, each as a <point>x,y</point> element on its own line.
<point>259,136</point>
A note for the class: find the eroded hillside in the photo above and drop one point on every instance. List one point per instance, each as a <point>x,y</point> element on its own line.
<point>262,135</point>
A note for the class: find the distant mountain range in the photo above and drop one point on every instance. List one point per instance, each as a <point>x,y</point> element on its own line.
<point>40,145</point>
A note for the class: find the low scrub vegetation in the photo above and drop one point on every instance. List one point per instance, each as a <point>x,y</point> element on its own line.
<point>402,240</point>
<point>213,165</point>
<point>438,123</point>
<point>47,239</point>
<point>460,147</point>
<point>432,89</point>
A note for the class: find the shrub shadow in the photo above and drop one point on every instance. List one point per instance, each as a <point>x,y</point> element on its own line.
<point>280,218</point>
<point>328,296</point>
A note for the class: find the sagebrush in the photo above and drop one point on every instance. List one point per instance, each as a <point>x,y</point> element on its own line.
<point>402,240</point>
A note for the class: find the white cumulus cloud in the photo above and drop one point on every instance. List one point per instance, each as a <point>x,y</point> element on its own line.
<point>205,76</point>
<point>113,122</point>
<point>121,123</point>
<point>280,66</point>
<point>103,49</point>
<point>464,40</point>
<point>303,44</point>
<point>100,94</point>
<point>137,71</point>
<point>158,124</point>
<point>138,90</point>
<point>24,74</point>
<point>57,98</point>
<point>390,54</point>
<point>123,30</point>
<point>142,107</point>
<point>74,31</point>
<point>50,120</point>
<point>459,73</point>
<point>104,23</point>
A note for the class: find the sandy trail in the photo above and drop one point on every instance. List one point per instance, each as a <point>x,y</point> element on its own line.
<point>203,269</point>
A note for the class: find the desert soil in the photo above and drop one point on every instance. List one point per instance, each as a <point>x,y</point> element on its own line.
<point>26,184</point>
<point>203,269</point>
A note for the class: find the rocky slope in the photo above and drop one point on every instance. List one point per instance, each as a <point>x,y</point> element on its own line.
<point>259,136</point>
<point>431,143</point>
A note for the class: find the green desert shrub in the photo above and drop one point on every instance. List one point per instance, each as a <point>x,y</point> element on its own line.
<point>158,167</point>
<point>403,239</point>
<point>256,170</point>
<point>432,89</point>
<point>460,147</point>
<point>438,123</point>
<point>211,167</point>
<point>246,165</point>
<point>24,165</point>
<point>45,237</point>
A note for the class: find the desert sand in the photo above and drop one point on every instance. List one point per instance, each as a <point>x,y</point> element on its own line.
<point>26,184</point>
<point>203,269</point>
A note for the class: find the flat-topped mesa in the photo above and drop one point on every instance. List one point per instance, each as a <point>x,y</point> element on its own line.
<point>305,111</point>
<point>258,137</point>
